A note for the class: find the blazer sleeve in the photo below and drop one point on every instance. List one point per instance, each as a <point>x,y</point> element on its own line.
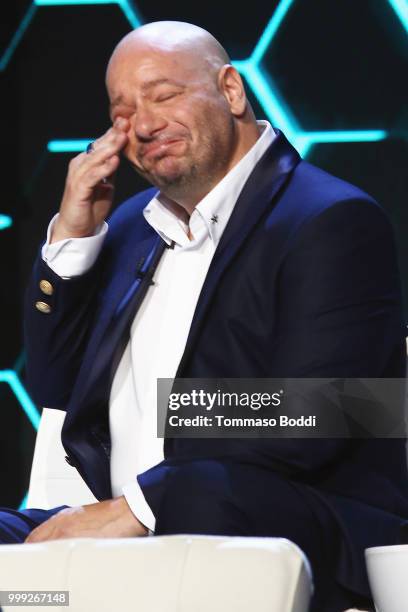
<point>339,297</point>
<point>56,334</point>
<point>56,338</point>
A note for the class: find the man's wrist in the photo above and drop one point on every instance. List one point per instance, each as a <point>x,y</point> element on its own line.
<point>60,232</point>
<point>132,522</point>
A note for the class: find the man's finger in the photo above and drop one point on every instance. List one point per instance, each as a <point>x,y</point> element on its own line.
<point>104,169</point>
<point>106,147</point>
<point>115,135</point>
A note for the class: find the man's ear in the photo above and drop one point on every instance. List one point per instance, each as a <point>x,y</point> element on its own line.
<point>232,87</point>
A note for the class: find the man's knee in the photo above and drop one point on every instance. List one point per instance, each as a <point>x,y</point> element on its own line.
<point>198,500</point>
<point>225,498</point>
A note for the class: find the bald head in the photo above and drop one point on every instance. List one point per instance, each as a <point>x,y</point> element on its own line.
<point>176,37</point>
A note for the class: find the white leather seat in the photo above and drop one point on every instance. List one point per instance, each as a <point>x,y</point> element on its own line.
<point>53,482</point>
<point>163,574</point>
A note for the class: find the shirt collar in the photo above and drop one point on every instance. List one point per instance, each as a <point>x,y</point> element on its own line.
<point>213,212</point>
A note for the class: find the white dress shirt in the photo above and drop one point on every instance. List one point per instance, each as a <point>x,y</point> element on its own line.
<point>161,326</point>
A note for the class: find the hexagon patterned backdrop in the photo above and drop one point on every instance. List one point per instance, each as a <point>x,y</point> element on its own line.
<point>330,73</point>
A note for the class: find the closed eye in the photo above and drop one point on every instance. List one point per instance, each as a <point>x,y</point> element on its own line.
<point>167,96</point>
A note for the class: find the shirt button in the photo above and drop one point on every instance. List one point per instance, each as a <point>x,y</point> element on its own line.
<point>46,287</point>
<point>43,307</point>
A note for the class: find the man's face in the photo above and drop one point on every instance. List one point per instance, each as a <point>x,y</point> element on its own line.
<point>181,128</point>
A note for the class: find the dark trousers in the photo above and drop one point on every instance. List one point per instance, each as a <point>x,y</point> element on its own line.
<point>205,497</point>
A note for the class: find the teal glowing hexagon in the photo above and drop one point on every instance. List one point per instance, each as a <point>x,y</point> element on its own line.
<point>273,104</point>
<point>126,6</point>
<point>5,222</point>
<point>10,377</point>
<point>401,10</point>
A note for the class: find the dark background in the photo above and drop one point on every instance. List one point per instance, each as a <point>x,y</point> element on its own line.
<point>335,64</point>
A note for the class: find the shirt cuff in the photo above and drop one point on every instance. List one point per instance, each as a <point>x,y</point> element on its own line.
<point>139,506</point>
<point>73,256</point>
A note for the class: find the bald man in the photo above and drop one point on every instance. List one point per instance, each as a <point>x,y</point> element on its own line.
<point>242,261</point>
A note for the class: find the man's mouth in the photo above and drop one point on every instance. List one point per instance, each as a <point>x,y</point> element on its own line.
<point>158,148</point>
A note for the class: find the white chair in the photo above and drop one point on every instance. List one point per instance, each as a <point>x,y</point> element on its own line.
<point>53,482</point>
<point>162,574</point>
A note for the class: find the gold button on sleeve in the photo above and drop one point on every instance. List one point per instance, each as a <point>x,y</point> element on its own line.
<point>46,287</point>
<point>43,307</point>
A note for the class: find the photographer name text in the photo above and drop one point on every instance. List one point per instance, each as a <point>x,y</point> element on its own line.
<point>223,421</point>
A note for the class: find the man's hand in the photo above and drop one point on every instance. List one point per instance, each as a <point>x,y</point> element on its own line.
<point>89,185</point>
<point>108,519</point>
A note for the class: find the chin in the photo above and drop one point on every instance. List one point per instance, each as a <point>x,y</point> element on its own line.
<point>168,173</point>
<point>168,180</point>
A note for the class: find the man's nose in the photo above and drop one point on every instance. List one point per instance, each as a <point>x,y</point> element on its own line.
<point>147,121</point>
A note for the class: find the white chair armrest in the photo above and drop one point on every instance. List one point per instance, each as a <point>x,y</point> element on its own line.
<point>53,482</point>
<point>164,573</point>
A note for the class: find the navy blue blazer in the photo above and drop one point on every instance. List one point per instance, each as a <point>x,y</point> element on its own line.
<point>304,283</point>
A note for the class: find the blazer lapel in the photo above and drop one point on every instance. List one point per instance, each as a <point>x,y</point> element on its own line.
<point>263,185</point>
<point>130,264</point>
<point>123,299</point>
